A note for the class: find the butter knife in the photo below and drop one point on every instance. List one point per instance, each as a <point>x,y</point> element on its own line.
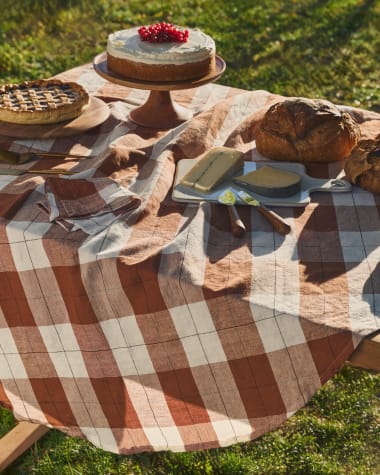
<point>22,157</point>
<point>53,171</point>
<point>228,199</point>
<point>279,224</point>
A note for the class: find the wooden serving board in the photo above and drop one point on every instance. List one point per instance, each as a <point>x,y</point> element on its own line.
<point>95,114</point>
<point>302,198</point>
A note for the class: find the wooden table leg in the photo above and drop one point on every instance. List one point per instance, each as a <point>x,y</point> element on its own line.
<point>18,440</point>
<point>367,354</point>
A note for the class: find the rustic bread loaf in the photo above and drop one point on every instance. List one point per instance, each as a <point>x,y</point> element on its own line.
<point>363,165</point>
<point>306,130</point>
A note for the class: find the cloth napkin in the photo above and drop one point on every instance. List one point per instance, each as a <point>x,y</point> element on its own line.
<point>88,204</point>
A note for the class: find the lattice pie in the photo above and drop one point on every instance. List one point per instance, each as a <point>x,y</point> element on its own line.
<point>41,102</point>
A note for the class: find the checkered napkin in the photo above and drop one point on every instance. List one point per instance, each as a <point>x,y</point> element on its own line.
<point>87,204</point>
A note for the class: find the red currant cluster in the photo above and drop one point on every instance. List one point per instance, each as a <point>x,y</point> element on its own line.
<point>163,33</point>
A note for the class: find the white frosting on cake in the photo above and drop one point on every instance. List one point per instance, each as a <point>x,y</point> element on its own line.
<point>127,44</point>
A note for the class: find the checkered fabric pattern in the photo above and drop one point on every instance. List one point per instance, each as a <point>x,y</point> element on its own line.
<point>87,204</point>
<point>163,331</point>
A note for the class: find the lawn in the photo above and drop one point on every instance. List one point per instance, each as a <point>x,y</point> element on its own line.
<point>314,48</point>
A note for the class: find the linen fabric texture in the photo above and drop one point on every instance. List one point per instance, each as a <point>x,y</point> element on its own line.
<point>162,331</point>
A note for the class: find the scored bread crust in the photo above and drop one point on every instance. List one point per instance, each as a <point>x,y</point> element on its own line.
<point>306,130</point>
<point>363,165</point>
<point>43,101</point>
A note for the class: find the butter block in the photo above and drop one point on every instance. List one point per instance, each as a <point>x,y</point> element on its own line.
<point>270,181</point>
<point>215,166</point>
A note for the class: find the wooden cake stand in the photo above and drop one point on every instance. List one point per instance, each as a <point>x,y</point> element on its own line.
<point>159,111</point>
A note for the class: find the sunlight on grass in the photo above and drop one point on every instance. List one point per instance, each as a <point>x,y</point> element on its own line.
<point>314,49</point>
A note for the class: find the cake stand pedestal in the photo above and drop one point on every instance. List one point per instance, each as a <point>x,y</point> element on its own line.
<point>159,111</point>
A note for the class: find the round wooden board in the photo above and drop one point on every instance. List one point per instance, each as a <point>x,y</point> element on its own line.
<point>95,114</point>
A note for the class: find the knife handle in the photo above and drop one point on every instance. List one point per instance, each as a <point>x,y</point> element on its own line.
<point>238,228</point>
<point>60,154</point>
<point>52,171</point>
<point>279,224</point>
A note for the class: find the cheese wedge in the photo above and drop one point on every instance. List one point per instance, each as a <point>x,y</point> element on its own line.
<point>270,181</point>
<point>215,166</point>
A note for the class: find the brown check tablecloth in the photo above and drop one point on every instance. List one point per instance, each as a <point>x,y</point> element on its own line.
<point>150,327</point>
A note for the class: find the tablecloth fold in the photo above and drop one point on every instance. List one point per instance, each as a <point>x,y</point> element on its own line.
<point>165,332</point>
<point>90,204</point>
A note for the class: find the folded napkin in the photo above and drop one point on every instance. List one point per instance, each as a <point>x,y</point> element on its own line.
<point>88,204</point>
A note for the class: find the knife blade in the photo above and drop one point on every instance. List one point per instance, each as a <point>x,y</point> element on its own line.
<point>279,224</point>
<point>22,157</point>
<point>53,171</point>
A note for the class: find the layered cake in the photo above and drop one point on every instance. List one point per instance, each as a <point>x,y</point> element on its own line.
<point>44,101</point>
<point>160,52</point>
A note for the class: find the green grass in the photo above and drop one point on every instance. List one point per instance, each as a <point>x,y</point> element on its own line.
<point>338,432</point>
<point>312,48</point>
<point>325,48</point>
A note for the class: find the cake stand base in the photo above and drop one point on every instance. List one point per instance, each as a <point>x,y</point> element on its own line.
<point>160,112</point>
